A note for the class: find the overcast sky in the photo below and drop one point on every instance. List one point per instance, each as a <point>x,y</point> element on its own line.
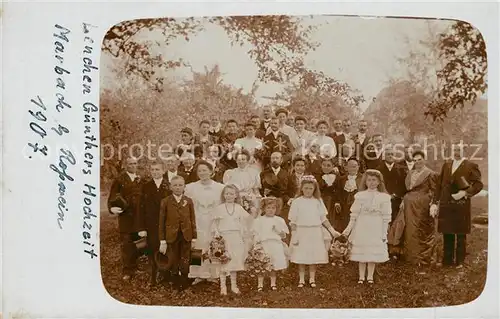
<point>359,51</point>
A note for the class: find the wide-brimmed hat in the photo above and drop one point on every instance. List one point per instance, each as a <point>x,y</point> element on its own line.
<point>196,257</point>
<point>119,201</point>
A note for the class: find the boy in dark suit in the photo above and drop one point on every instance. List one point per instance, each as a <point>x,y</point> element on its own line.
<point>177,229</point>
<point>153,192</point>
<point>126,189</point>
<point>260,132</point>
<point>216,130</point>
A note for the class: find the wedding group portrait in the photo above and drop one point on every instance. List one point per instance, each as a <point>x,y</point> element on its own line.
<point>294,162</point>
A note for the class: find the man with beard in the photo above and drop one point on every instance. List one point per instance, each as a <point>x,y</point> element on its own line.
<point>274,179</point>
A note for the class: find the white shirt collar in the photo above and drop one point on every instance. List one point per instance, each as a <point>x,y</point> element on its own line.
<point>177,198</point>
<point>339,133</point>
<point>215,129</point>
<point>351,177</point>
<point>132,176</point>
<point>276,170</point>
<point>158,181</point>
<point>409,164</point>
<point>459,161</point>
<point>389,166</point>
<point>171,175</point>
<point>275,133</point>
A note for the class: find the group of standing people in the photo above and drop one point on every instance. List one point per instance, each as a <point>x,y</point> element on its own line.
<point>301,186</point>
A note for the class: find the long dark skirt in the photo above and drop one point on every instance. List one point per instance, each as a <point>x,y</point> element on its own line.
<point>419,233</point>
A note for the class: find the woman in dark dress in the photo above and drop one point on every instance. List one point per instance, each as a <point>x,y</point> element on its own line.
<point>347,186</point>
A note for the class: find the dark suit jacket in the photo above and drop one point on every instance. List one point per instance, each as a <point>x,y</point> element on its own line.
<point>313,166</point>
<point>131,192</point>
<point>394,179</point>
<point>371,159</point>
<point>263,126</point>
<point>189,177</point>
<point>358,146</point>
<point>175,217</point>
<point>280,144</point>
<point>217,136</point>
<point>277,184</point>
<point>150,209</point>
<point>339,140</point>
<point>201,148</point>
<point>260,133</point>
<point>455,216</point>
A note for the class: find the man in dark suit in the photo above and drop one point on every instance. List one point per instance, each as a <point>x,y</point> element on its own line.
<point>276,141</point>
<point>338,135</point>
<point>259,132</point>
<point>216,130</point>
<point>360,139</point>
<point>394,180</point>
<point>187,144</point>
<point>460,179</point>
<point>406,163</point>
<point>374,151</point>
<point>274,179</point>
<point>267,114</point>
<point>203,140</point>
<point>172,169</point>
<point>153,192</point>
<point>177,228</point>
<point>188,168</point>
<point>124,201</point>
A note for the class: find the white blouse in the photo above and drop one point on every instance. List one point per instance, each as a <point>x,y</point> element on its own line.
<point>268,228</point>
<point>307,212</point>
<point>372,202</point>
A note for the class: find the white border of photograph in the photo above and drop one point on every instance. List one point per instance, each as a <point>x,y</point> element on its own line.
<point>45,270</point>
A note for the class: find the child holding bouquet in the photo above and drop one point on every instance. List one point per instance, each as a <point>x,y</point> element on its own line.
<point>368,225</point>
<point>270,230</point>
<point>308,218</point>
<point>233,223</point>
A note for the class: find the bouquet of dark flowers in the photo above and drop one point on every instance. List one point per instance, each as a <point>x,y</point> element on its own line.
<point>217,252</point>
<point>257,261</point>
<point>340,250</point>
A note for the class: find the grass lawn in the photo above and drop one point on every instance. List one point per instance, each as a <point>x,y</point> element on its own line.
<point>396,286</point>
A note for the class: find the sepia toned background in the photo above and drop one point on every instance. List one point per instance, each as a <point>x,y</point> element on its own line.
<point>160,75</point>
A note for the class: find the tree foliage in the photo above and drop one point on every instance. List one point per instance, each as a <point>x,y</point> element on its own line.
<point>131,115</point>
<point>278,45</point>
<point>462,77</point>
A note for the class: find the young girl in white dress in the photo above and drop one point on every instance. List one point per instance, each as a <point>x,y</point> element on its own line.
<point>270,230</point>
<point>308,218</point>
<point>233,223</point>
<point>368,224</point>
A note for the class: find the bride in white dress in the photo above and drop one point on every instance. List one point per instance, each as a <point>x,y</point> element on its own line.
<point>206,195</point>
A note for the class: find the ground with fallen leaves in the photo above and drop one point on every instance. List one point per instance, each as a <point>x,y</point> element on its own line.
<point>397,285</point>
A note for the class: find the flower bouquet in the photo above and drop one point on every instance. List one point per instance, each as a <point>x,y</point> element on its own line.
<point>257,261</point>
<point>340,250</point>
<point>217,252</point>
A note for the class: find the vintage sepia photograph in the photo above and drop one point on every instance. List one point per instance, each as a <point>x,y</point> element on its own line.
<point>294,162</point>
